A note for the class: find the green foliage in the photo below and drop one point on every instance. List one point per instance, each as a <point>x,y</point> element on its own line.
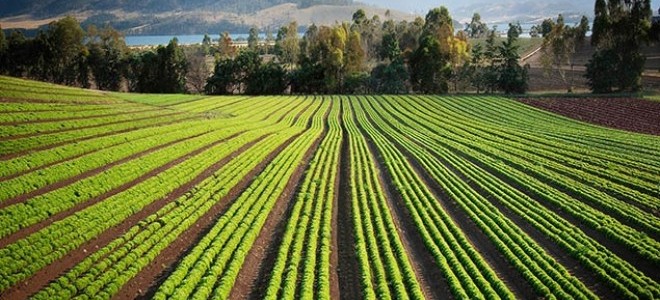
<point>107,50</point>
<point>560,45</point>
<point>287,45</point>
<point>507,168</point>
<point>430,69</point>
<point>269,79</point>
<point>253,39</point>
<point>512,76</point>
<point>476,28</point>
<point>390,78</point>
<point>618,32</point>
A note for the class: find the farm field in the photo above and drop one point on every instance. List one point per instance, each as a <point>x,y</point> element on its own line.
<point>126,196</point>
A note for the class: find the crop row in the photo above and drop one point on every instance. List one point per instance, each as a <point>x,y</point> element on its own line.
<point>212,266</point>
<point>560,160</point>
<point>468,274</point>
<point>17,145</point>
<point>592,202</point>
<point>538,267</point>
<point>303,260</point>
<point>102,274</point>
<point>385,267</point>
<point>23,258</point>
<point>578,245</point>
<point>55,173</point>
<point>31,114</point>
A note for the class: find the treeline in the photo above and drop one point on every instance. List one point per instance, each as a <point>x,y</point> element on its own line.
<point>364,56</point>
<point>96,58</point>
<point>620,29</point>
<point>371,56</point>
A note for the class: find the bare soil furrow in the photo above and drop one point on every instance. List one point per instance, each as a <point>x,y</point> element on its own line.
<point>34,228</point>
<point>42,277</point>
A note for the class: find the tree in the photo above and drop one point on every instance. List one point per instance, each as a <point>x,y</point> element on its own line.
<point>601,22</point>
<point>253,39</point>
<point>619,30</point>
<point>225,46</point>
<point>512,76</point>
<point>107,50</point>
<point>431,62</point>
<point>64,40</point>
<point>287,45</point>
<point>3,51</point>
<point>206,44</point>
<point>560,45</point>
<point>355,55</point>
<point>546,27</point>
<point>197,73</point>
<point>476,28</point>
<point>172,68</point>
<point>224,79</point>
<point>267,79</point>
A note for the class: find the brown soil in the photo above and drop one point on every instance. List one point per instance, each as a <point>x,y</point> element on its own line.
<point>78,118</point>
<point>288,112</point>
<point>432,281</point>
<point>45,166</point>
<point>28,135</point>
<point>89,173</point>
<point>631,114</point>
<point>145,283</point>
<point>253,276</point>
<point>590,279</point>
<point>511,276</point>
<point>76,140</point>
<point>505,271</point>
<point>42,277</point>
<point>620,250</point>
<point>36,227</point>
<point>348,267</point>
<point>334,248</point>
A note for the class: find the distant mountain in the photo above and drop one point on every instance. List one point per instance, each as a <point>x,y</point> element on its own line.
<point>176,17</point>
<point>51,8</point>
<point>525,11</point>
<point>496,11</point>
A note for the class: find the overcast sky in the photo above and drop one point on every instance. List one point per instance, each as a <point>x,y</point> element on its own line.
<point>422,6</point>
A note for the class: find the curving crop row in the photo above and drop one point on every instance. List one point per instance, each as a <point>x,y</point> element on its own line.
<point>468,274</point>
<point>102,274</point>
<point>384,264</point>
<point>26,143</point>
<point>613,228</point>
<point>628,280</point>
<point>23,258</point>
<point>302,266</point>
<point>211,267</point>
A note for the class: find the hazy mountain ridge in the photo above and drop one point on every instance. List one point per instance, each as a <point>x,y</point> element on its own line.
<point>51,8</point>
<point>525,11</point>
<point>186,17</point>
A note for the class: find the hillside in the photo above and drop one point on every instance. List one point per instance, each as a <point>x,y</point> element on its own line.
<point>186,17</point>
<point>51,8</point>
<point>146,196</point>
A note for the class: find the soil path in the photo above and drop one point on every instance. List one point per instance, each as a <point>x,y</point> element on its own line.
<point>42,277</point>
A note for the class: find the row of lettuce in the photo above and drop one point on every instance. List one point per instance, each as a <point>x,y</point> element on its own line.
<point>528,181</point>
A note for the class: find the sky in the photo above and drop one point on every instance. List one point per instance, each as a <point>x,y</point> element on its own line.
<point>422,6</point>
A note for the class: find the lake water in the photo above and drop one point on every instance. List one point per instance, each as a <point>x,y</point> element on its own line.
<point>155,40</point>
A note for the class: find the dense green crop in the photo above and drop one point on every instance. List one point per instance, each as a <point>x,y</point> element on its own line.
<point>439,195</point>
